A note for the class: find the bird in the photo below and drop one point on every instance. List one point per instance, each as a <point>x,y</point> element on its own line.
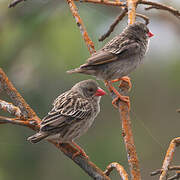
<point>72,114</point>
<point>118,58</point>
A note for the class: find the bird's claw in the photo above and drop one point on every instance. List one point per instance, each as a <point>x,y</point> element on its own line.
<point>121,98</point>
<point>126,79</point>
<point>80,153</point>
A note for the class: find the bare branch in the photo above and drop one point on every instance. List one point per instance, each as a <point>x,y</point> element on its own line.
<point>17,121</point>
<point>113,25</point>
<point>18,100</point>
<point>156,5</point>
<point>104,2</point>
<point>168,158</point>
<point>9,107</point>
<point>132,10</point>
<point>122,172</point>
<point>127,133</point>
<point>175,177</point>
<point>156,172</point>
<point>89,43</point>
<point>14,3</point>
<point>146,19</point>
<point>117,20</point>
<point>170,168</point>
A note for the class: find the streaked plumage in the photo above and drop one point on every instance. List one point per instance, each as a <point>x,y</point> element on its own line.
<point>72,114</point>
<point>120,56</point>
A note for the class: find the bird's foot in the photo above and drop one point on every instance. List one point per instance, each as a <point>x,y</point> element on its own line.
<point>126,79</point>
<point>119,96</point>
<point>79,152</point>
<point>122,98</point>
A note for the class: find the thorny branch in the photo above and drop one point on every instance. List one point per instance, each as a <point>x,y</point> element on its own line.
<point>32,121</point>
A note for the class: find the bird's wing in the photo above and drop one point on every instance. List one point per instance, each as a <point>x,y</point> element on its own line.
<point>114,52</point>
<point>68,107</point>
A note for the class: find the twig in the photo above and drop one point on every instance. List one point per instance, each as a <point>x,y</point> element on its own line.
<point>122,172</point>
<point>14,3</point>
<point>33,123</point>
<point>113,25</point>
<point>104,2</point>
<point>89,43</point>
<point>168,158</point>
<point>90,168</point>
<point>28,123</point>
<point>117,20</point>
<point>156,5</point>
<point>175,177</point>
<point>9,107</point>
<point>18,100</point>
<point>156,172</point>
<point>146,19</point>
<point>170,168</point>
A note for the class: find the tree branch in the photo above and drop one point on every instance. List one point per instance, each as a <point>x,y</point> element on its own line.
<point>122,172</point>
<point>169,156</point>
<point>146,19</point>
<point>9,107</point>
<point>14,3</point>
<point>104,2</point>
<point>167,160</point>
<point>113,25</point>
<point>160,6</point>
<point>89,43</point>
<point>127,133</point>
<point>18,100</point>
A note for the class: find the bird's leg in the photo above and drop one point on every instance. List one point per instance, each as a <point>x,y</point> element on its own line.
<point>124,78</point>
<point>119,96</point>
<point>80,151</point>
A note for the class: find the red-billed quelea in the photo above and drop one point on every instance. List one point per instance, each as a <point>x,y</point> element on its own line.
<point>72,114</point>
<point>119,57</point>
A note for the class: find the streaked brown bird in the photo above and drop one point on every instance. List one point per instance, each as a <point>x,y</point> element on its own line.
<point>72,114</point>
<point>119,57</point>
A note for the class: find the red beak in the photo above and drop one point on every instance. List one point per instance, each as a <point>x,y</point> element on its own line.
<point>100,92</point>
<point>150,34</point>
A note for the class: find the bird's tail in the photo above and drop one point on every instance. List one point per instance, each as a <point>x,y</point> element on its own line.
<point>84,69</point>
<point>77,70</point>
<point>37,137</point>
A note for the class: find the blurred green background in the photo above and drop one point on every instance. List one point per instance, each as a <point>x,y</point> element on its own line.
<point>39,41</point>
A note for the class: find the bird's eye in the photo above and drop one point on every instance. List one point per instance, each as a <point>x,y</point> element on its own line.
<point>91,90</point>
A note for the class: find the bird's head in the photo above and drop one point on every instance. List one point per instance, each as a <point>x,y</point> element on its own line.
<point>89,89</point>
<point>139,30</point>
